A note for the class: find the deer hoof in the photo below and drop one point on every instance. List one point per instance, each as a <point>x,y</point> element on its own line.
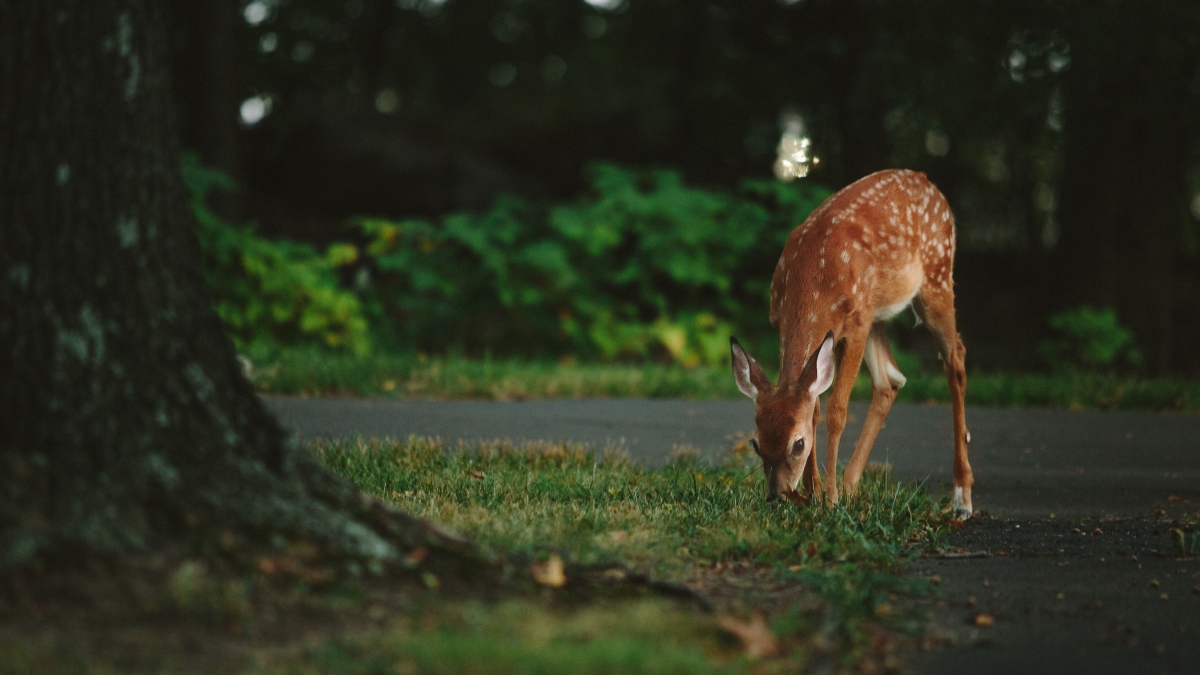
<point>960,505</point>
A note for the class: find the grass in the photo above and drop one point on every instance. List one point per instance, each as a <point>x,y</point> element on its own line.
<point>315,373</point>
<point>537,497</point>
<point>815,588</point>
<point>828,578</point>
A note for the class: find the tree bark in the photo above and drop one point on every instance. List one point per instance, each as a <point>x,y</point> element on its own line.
<point>126,422</point>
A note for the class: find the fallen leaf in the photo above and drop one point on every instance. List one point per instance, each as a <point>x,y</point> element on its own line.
<point>754,634</point>
<point>417,555</point>
<point>618,536</point>
<point>549,572</point>
<point>984,620</point>
<point>935,580</point>
<point>1173,498</point>
<point>1097,531</point>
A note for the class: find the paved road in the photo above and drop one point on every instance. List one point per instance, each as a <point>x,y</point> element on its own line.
<point>1027,463</point>
<point>1063,599</point>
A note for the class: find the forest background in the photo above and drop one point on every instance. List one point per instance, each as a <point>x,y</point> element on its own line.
<point>591,179</point>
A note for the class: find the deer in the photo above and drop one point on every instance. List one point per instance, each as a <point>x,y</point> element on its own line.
<point>873,249</point>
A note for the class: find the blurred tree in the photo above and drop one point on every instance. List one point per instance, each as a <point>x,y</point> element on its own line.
<point>1131,106</point>
<point>127,422</point>
<point>207,44</point>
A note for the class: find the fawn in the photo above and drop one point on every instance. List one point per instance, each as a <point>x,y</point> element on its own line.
<point>868,252</point>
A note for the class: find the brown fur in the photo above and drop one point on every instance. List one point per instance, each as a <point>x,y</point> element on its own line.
<point>859,258</point>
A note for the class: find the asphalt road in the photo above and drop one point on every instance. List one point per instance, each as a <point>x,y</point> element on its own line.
<point>1046,480</point>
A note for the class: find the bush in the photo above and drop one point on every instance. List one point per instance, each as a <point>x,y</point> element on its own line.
<point>645,266</point>
<point>1090,340</point>
<point>272,294</point>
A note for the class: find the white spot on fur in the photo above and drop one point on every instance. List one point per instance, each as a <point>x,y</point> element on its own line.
<point>845,256</point>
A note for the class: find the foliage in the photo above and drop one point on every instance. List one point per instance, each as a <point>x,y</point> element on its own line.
<point>1089,339</point>
<point>271,294</point>
<point>644,267</point>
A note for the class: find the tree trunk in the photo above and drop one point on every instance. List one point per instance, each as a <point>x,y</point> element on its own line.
<point>126,421</point>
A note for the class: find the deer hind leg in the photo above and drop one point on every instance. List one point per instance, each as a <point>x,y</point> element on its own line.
<point>847,371</point>
<point>936,306</point>
<point>886,380</point>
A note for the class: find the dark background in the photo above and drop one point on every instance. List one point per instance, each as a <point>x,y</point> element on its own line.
<point>1063,133</point>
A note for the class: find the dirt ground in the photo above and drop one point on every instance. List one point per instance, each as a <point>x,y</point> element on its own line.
<point>1057,595</point>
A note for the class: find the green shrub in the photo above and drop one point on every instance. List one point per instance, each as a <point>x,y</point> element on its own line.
<point>1089,339</point>
<point>272,294</point>
<point>645,266</point>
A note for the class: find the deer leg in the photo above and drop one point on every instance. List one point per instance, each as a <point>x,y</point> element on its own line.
<point>812,478</point>
<point>847,370</point>
<point>886,381</point>
<point>936,306</point>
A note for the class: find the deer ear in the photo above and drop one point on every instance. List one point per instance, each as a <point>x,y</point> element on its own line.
<point>819,369</point>
<point>747,373</point>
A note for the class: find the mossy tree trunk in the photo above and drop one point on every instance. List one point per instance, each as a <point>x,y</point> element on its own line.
<point>125,422</point>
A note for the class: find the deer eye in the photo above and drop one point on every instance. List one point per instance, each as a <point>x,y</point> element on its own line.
<point>754,444</point>
<point>798,446</point>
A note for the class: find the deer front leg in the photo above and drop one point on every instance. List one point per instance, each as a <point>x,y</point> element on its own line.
<point>886,380</point>
<point>847,370</point>
<point>812,477</point>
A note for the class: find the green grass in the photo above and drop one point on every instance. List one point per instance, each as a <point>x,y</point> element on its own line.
<point>316,373</point>
<point>541,496</point>
<point>827,580</point>
<point>319,373</point>
<point>827,577</point>
<point>524,638</point>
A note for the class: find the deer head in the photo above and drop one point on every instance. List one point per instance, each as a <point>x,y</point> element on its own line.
<point>783,416</point>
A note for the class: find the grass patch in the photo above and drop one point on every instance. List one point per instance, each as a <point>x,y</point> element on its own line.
<point>534,497</point>
<point>818,588</point>
<point>315,373</point>
<point>828,578</point>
